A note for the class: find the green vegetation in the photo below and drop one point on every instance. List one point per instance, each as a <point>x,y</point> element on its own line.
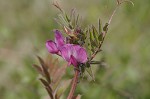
<point>25,25</point>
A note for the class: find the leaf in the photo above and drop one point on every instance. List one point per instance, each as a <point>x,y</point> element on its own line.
<point>89,49</point>
<point>72,14</point>
<point>90,72</point>
<point>96,62</point>
<point>93,38</point>
<point>49,63</point>
<point>82,69</point>
<point>129,1</point>
<point>77,19</point>
<point>38,69</point>
<point>85,34</point>
<point>67,18</point>
<point>93,43</point>
<point>57,6</point>
<point>47,75</point>
<point>63,21</point>
<point>105,28</point>
<point>59,73</point>
<point>49,92</point>
<point>45,83</point>
<point>99,26</point>
<point>90,44</point>
<point>63,87</point>
<point>41,62</point>
<point>51,67</point>
<point>57,77</point>
<point>91,34</point>
<point>100,37</point>
<point>95,35</point>
<point>58,21</point>
<point>55,67</point>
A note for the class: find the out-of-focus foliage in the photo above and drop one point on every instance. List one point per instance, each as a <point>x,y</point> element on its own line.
<point>25,25</point>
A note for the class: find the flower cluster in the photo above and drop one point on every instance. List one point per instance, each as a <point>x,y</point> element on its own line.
<point>70,48</point>
<point>74,54</point>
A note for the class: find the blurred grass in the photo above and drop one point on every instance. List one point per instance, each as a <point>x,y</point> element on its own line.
<point>25,26</point>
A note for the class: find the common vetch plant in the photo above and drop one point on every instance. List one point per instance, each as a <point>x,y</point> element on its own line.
<point>78,46</point>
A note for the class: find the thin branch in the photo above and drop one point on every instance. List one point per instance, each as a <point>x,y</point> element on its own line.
<point>110,19</point>
<point>104,33</point>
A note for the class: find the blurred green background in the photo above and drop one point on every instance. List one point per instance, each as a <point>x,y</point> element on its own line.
<point>25,25</point>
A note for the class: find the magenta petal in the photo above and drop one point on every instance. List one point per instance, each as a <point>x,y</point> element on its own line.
<point>81,55</point>
<point>51,46</point>
<point>74,54</point>
<point>66,52</point>
<point>59,40</point>
<point>73,61</point>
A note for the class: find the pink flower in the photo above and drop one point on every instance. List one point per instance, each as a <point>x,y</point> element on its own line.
<point>73,54</point>
<point>54,47</point>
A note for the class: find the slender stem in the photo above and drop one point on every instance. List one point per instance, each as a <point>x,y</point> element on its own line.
<point>110,19</point>
<point>74,84</point>
<point>104,34</point>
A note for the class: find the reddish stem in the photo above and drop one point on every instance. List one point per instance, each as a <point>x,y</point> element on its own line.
<point>74,84</point>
